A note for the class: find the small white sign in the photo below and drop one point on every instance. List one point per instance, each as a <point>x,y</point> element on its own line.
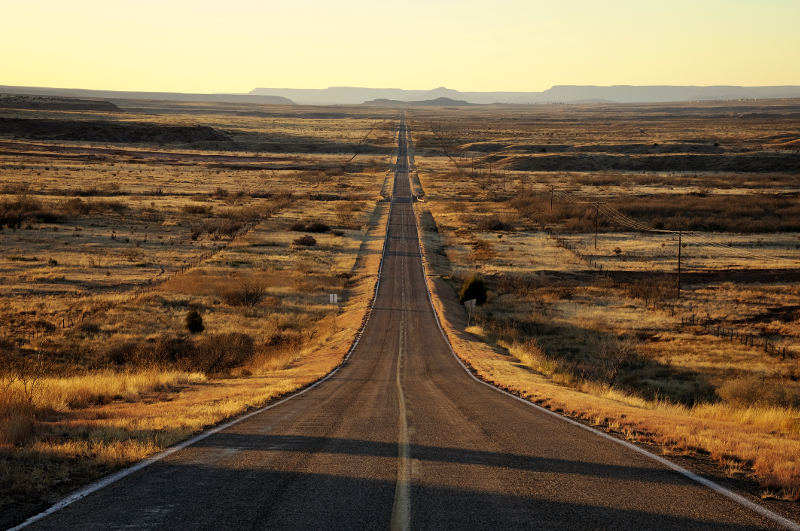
<point>334,298</point>
<point>470,305</point>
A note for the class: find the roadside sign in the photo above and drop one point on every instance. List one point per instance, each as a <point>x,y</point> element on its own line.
<point>470,304</point>
<point>334,298</point>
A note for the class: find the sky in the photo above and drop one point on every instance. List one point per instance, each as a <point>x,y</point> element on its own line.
<point>470,45</point>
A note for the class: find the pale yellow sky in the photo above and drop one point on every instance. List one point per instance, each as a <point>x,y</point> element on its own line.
<point>237,45</point>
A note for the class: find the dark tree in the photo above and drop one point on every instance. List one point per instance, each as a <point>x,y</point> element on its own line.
<point>194,322</point>
<point>474,288</point>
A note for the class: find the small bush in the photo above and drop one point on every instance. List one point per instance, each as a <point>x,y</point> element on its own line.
<point>197,209</point>
<point>748,391</point>
<point>317,227</point>
<point>15,212</point>
<point>242,214</point>
<point>88,329</point>
<point>306,241</point>
<point>493,223</point>
<point>218,228</point>
<point>473,288</point>
<point>221,352</point>
<point>246,294</point>
<point>17,418</point>
<point>194,322</point>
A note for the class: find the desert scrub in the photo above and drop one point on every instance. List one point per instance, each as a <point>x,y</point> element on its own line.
<point>246,293</point>
<point>304,241</point>
<point>194,322</point>
<point>473,288</point>
<point>20,401</point>
<point>754,390</point>
<point>17,414</point>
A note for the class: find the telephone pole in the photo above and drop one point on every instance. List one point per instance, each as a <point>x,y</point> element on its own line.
<point>596,215</point>
<point>680,241</point>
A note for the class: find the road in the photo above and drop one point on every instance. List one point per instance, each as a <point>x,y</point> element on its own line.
<point>402,437</point>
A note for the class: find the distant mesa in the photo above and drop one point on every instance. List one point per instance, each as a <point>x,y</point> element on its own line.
<point>440,96</point>
<point>129,95</point>
<point>108,131</point>
<point>572,94</point>
<point>436,102</point>
<point>54,103</point>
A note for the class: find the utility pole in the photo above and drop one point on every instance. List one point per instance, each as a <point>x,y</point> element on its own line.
<point>596,215</point>
<point>680,241</point>
<point>552,193</point>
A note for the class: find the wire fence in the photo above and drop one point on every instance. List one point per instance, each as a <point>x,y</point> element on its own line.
<point>684,240</point>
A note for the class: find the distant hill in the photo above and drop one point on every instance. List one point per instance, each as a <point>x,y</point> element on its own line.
<point>556,94</point>
<point>437,102</point>
<point>664,93</point>
<point>359,95</point>
<point>54,103</point>
<point>108,131</point>
<point>129,95</point>
<point>354,95</point>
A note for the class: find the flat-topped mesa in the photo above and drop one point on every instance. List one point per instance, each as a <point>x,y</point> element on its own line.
<point>555,94</point>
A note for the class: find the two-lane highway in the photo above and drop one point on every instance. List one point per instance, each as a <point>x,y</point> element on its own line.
<point>401,436</point>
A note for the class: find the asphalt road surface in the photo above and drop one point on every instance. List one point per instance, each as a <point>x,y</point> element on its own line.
<point>401,436</point>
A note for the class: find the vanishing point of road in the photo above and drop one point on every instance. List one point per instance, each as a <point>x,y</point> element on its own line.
<point>401,436</point>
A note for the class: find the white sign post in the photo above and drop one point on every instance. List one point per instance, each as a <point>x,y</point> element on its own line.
<point>334,298</point>
<point>470,304</point>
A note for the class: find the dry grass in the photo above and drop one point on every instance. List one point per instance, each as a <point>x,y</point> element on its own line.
<point>142,234</point>
<point>598,334</point>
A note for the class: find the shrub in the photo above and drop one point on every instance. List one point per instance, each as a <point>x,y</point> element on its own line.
<point>493,223</point>
<point>473,288</point>
<point>197,209</point>
<point>748,391</point>
<point>194,322</point>
<point>23,209</point>
<point>17,417</point>
<point>218,353</point>
<point>312,226</point>
<point>246,294</point>
<point>88,329</point>
<point>242,214</point>
<point>307,241</point>
<point>317,227</point>
<point>218,228</point>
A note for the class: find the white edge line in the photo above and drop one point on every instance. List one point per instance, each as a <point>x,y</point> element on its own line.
<point>113,478</point>
<point>738,498</point>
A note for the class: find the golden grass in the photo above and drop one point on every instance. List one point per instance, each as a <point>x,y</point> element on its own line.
<point>765,440</point>
<point>81,427</point>
<point>548,308</point>
<point>88,283</point>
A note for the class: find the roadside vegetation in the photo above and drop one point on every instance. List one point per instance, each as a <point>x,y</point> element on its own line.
<point>156,283</point>
<point>602,333</point>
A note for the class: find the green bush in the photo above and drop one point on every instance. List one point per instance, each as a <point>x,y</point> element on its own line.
<point>474,288</point>
<point>194,322</point>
